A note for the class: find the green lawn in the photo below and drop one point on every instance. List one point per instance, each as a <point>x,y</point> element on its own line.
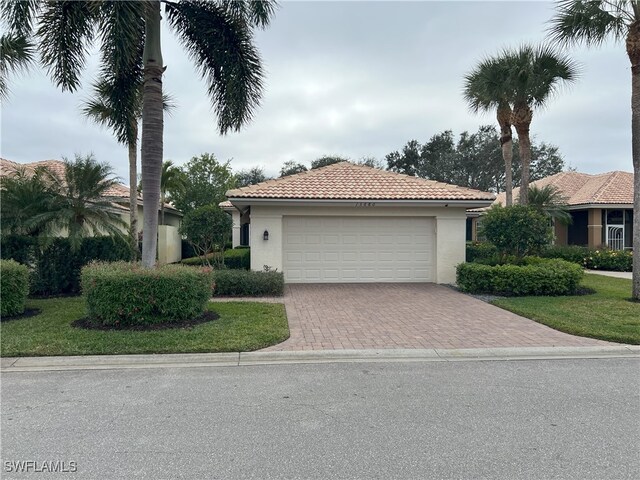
<point>608,314</point>
<point>242,326</point>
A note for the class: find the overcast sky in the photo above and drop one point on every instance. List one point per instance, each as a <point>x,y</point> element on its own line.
<point>354,79</point>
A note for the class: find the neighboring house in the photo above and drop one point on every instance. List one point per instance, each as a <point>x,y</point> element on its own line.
<point>169,240</point>
<point>352,223</point>
<point>601,207</point>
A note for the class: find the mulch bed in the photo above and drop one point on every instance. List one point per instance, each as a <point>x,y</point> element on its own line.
<point>28,312</point>
<point>90,324</point>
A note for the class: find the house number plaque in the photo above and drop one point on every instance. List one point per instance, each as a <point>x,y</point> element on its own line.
<point>365,204</point>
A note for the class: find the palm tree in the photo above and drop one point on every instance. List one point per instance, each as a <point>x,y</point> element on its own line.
<point>218,35</point>
<point>534,75</point>
<point>171,180</point>
<point>549,201</point>
<point>23,195</point>
<point>102,109</point>
<point>484,90</point>
<point>592,23</point>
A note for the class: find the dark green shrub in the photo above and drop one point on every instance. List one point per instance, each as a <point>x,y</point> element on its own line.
<point>55,268</point>
<point>517,230</point>
<point>594,259</point>
<point>124,294</point>
<point>480,250</point>
<point>535,276</point>
<point>237,258</point>
<point>570,253</point>
<point>247,283</point>
<point>14,287</point>
<point>605,259</point>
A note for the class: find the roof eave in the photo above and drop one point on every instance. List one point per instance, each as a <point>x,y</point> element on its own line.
<point>310,202</point>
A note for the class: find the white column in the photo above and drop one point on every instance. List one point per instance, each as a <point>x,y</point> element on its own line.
<point>235,232</point>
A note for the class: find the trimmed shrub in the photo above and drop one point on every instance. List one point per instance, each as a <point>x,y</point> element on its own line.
<point>55,269</point>
<point>599,259</point>
<point>518,230</point>
<point>14,287</point>
<point>247,283</point>
<point>480,250</point>
<point>237,258</point>
<point>535,277</point>
<point>124,294</point>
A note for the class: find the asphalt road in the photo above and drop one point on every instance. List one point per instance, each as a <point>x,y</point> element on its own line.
<point>543,419</point>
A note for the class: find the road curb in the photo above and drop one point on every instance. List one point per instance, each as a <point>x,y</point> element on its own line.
<point>111,362</point>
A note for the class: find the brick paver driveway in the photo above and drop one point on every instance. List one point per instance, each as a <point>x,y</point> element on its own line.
<point>377,316</point>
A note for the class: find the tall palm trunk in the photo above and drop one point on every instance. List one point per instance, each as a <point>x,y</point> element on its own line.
<point>152,125</point>
<point>633,50</point>
<point>522,116</point>
<point>133,195</point>
<point>506,142</point>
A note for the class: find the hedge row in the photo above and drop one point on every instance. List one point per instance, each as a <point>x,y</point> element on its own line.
<point>14,287</point>
<point>55,269</point>
<point>124,294</point>
<point>248,283</point>
<point>237,258</point>
<point>593,259</point>
<point>536,277</point>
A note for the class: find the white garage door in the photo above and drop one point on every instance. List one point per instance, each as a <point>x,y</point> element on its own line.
<point>359,249</point>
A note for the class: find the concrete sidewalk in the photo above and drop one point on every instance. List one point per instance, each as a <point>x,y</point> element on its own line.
<point>607,273</point>
<point>110,362</point>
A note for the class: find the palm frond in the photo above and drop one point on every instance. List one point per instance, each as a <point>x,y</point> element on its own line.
<point>591,22</point>
<point>549,200</point>
<point>256,13</point>
<point>485,86</point>
<point>221,46</point>
<point>16,54</point>
<point>19,15</point>
<point>66,33</point>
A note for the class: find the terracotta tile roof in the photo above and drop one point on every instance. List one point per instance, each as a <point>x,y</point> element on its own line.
<point>347,181</point>
<point>225,204</point>
<point>117,191</point>
<point>577,188</point>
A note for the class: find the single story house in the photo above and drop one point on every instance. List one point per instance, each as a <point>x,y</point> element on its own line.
<point>601,208</point>
<point>169,240</point>
<point>352,223</point>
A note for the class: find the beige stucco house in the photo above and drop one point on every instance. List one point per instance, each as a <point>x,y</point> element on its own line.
<point>169,240</point>
<point>601,208</point>
<point>352,223</point>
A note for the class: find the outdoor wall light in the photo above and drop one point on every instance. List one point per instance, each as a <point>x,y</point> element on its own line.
<point>265,235</point>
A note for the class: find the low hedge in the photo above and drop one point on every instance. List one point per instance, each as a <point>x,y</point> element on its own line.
<point>237,258</point>
<point>480,251</point>
<point>535,277</point>
<point>593,259</point>
<point>14,287</point>
<point>55,268</point>
<point>247,283</point>
<point>124,294</point>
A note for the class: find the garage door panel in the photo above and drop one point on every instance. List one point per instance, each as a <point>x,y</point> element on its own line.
<point>358,249</point>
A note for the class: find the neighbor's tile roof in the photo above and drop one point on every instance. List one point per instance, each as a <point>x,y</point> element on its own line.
<point>347,181</point>
<point>584,189</point>
<point>119,191</point>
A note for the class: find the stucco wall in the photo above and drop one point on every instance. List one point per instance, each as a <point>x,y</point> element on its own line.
<point>169,244</point>
<point>450,232</point>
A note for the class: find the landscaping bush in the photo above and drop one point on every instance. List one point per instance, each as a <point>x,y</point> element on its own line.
<point>237,258</point>
<point>125,294</point>
<point>208,229</point>
<point>517,230</point>
<point>55,268</point>
<point>14,287</point>
<point>535,276</point>
<point>480,250</point>
<point>598,259</point>
<point>248,283</point>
